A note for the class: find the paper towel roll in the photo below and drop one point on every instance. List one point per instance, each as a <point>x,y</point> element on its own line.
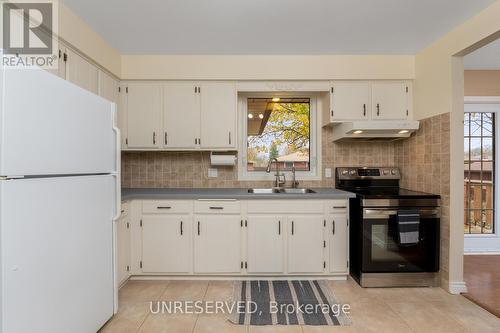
<point>223,160</point>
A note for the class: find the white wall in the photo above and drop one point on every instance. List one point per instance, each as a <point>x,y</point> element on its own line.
<point>75,31</point>
<point>272,67</point>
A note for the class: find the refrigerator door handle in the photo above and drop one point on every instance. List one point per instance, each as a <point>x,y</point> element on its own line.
<point>117,172</point>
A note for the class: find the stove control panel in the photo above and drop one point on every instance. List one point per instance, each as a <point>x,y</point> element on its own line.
<point>367,173</point>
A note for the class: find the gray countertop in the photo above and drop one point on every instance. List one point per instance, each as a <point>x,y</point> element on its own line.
<point>225,193</point>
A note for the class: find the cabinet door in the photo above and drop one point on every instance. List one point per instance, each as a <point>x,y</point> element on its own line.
<point>108,87</point>
<point>265,244</point>
<point>181,115</point>
<point>122,107</point>
<point>81,72</point>
<point>61,63</point>
<point>306,244</point>
<point>165,243</point>
<point>122,249</point>
<point>218,115</point>
<point>217,244</point>
<point>389,100</point>
<point>350,101</point>
<point>143,114</point>
<point>337,229</point>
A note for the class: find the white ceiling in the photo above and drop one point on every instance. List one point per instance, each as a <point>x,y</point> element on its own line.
<point>487,57</point>
<point>273,26</point>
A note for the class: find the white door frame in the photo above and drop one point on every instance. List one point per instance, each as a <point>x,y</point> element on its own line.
<point>490,244</point>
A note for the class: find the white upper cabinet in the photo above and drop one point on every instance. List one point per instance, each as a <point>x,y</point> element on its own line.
<point>81,72</point>
<point>218,115</point>
<point>144,104</point>
<point>390,100</point>
<point>108,87</point>
<point>350,101</point>
<point>369,100</point>
<point>181,115</point>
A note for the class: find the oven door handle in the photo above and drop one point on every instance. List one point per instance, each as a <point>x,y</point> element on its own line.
<point>381,213</point>
<point>378,213</point>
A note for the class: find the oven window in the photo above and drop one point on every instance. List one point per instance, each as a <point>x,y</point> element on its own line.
<point>479,166</point>
<point>384,248</point>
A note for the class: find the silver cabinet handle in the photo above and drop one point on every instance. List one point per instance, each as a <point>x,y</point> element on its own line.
<point>217,208</point>
<point>198,228</point>
<point>182,231</point>
<point>279,227</point>
<point>364,109</point>
<point>293,229</point>
<point>378,109</point>
<point>166,138</point>
<point>163,207</point>
<point>229,137</point>
<point>154,138</point>
<point>333,227</point>
<point>339,207</point>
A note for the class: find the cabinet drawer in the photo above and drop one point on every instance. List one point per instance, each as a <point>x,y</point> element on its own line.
<point>166,206</point>
<point>217,207</point>
<point>337,206</point>
<point>286,207</point>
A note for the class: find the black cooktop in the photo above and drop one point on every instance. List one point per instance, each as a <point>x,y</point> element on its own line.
<point>391,193</point>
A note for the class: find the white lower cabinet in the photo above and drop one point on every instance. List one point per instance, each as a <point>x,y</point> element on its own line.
<point>265,246</point>
<point>232,237</point>
<point>166,243</point>
<point>306,244</point>
<point>122,249</point>
<point>217,244</point>
<point>337,229</point>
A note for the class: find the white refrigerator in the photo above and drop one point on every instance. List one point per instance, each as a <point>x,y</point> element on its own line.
<point>59,196</point>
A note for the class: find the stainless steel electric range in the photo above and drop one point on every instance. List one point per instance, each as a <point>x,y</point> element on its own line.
<point>393,232</point>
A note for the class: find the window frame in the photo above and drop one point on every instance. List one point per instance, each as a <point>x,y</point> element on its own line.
<point>495,109</point>
<point>314,172</point>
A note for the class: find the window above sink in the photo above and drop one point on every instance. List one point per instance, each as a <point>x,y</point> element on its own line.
<point>281,126</point>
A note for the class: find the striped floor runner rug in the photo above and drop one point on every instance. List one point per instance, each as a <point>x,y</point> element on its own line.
<point>287,303</point>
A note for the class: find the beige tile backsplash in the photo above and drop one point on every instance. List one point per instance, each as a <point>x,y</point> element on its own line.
<point>190,169</point>
<point>424,160</point>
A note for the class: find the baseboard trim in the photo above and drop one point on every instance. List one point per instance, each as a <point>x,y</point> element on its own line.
<point>235,278</point>
<point>457,288</point>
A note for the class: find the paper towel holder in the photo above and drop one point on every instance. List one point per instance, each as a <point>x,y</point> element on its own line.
<point>223,158</point>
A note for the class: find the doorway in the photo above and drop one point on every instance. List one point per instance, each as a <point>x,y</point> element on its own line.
<point>481,174</point>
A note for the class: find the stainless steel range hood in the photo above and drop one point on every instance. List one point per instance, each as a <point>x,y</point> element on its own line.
<point>389,130</point>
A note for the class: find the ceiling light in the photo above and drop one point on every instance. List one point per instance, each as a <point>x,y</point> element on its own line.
<point>250,116</point>
<point>403,131</point>
<point>276,99</point>
<point>261,116</point>
<point>358,132</point>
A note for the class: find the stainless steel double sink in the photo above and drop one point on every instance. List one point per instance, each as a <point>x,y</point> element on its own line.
<point>280,191</point>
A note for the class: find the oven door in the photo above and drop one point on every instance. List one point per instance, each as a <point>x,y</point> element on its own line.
<point>382,251</point>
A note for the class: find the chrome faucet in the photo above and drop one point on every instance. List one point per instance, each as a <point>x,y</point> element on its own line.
<point>278,182</point>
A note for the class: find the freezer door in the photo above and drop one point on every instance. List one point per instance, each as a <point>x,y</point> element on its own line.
<point>50,126</point>
<point>56,243</point>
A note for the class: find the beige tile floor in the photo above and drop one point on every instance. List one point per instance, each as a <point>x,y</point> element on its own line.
<point>372,310</point>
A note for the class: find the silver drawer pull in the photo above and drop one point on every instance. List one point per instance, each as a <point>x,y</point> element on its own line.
<point>163,207</point>
<point>339,207</point>
<point>218,208</point>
